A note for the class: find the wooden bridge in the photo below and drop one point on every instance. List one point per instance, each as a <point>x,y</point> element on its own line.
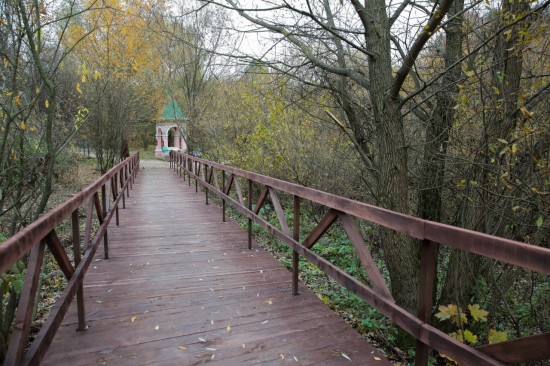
<point>175,283</point>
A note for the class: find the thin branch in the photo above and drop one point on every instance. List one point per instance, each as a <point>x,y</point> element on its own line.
<point>430,28</point>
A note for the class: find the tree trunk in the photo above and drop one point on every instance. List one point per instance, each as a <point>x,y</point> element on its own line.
<point>400,252</point>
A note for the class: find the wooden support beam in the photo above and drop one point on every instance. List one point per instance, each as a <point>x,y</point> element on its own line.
<point>58,252</point>
<point>239,190</point>
<point>261,200</point>
<point>366,259</point>
<point>23,318</point>
<point>321,228</point>
<point>526,349</point>
<point>279,211</point>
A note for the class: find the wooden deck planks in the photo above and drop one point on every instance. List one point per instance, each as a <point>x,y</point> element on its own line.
<point>181,288</point>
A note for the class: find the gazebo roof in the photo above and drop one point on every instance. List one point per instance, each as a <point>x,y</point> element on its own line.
<point>172,111</point>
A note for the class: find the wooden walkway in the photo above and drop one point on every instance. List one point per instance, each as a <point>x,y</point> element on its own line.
<point>180,288</point>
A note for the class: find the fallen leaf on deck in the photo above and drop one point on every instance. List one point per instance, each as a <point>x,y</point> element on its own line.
<point>377,358</point>
<point>182,348</point>
<point>157,327</point>
<point>211,322</point>
<point>295,359</point>
<point>202,339</point>
<point>346,357</point>
<point>134,318</point>
<point>244,346</point>
<point>211,349</point>
<point>269,302</point>
<point>99,302</point>
<point>282,356</point>
<point>265,322</point>
<point>228,328</point>
<point>213,356</point>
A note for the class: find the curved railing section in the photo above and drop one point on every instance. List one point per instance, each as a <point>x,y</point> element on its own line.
<point>221,180</point>
<point>102,197</point>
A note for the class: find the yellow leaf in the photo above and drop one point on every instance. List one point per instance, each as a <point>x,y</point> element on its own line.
<point>526,113</point>
<point>515,148</point>
<point>3,22</point>
<point>457,336</point>
<point>228,328</point>
<point>37,90</point>
<point>477,313</point>
<point>470,337</point>
<point>495,336</point>
<point>470,73</point>
<point>6,63</point>
<point>451,312</point>
<point>18,100</point>
<point>134,318</point>
<point>444,311</point>
<point>97,75</point>
<point>84,72</point>
<point>32,129</point>
<point>135,66</point>
<point>9,94</point>
<point>23,126</point>
<point>183,348</point>
<point>78,88</point>
<point>47,104</point>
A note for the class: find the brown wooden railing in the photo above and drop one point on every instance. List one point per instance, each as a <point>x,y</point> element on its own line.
<point>114,186</point>
<point>527,349</point>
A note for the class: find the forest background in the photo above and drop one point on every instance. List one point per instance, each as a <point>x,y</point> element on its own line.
<point>434,109</point>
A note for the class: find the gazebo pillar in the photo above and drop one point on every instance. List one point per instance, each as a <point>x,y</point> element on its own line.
<point>177,140</point>
<point>159,139</point>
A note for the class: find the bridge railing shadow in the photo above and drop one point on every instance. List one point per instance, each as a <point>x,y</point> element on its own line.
<point>221,180</point>
<point>101,201</point>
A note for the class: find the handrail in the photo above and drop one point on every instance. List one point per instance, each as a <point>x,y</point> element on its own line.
<point>342,209</point>
<point>115,185</point>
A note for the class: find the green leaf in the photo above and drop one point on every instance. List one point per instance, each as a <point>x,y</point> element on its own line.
<point>477,313</point>
<point>496,336</point>
<point>539,221</point>
<point>17,285</point>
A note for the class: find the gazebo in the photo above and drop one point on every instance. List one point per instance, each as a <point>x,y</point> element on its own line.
<point>170,130</point>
